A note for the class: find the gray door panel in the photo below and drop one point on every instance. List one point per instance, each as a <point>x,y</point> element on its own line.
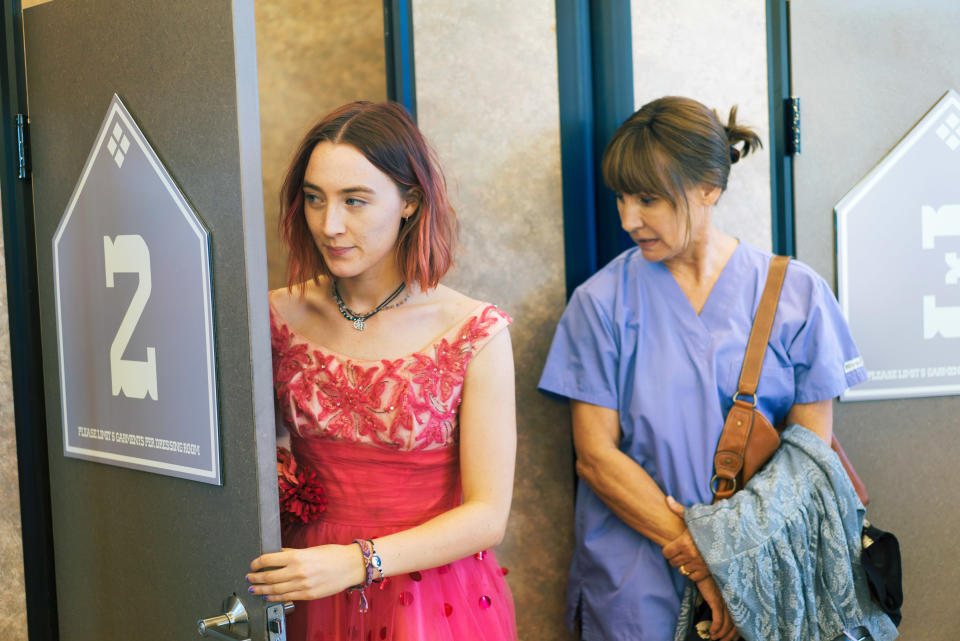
<point>139,555</point>
<point>866,71</point>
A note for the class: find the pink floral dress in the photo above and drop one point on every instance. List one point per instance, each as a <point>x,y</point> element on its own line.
<point>382,438</point>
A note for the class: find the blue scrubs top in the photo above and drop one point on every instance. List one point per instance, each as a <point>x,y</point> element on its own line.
<point>630,341</point>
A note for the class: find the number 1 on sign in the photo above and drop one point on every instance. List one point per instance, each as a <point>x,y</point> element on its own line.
<point>128,254</point>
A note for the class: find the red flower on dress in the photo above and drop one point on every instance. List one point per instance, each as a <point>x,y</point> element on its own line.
<point>402,425</point>
<point>350,398</point>
<point>301,497</point>
<point>288,357</point>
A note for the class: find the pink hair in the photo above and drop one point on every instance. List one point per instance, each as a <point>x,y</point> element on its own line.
<point>389,139</point>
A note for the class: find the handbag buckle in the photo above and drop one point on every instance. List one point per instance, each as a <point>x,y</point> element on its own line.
<point>715,485</point>
<point>753,403</point>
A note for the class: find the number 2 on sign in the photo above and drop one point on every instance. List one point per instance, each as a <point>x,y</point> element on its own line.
<point>128,254</point>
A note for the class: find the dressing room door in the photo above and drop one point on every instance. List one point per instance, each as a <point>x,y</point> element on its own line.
<point>141,554</point>
<point>866,71</point>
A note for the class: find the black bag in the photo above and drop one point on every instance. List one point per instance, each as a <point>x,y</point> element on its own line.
<point>881,561</point>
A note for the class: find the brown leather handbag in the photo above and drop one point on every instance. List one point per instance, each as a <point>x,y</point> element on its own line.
<point>748,440</point>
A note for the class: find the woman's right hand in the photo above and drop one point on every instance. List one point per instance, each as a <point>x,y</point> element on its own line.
<point>306,573</point>
<point>682,552</point>
<point>722,628</point>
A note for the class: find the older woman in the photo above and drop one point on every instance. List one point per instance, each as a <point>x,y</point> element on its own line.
<point>649,352</point>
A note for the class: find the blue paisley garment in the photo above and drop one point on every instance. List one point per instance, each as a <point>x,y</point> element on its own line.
<point>785,550</point>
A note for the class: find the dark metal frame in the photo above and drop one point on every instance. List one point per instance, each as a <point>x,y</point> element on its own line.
<point>398,43</point>
<point>595,64</point>
<point>781,161</point>
<point>25,348</point>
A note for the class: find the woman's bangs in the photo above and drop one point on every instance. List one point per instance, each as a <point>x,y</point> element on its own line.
<point>633,166</point>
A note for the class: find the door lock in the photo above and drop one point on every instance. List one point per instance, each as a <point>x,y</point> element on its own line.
<point>232,625</point>
<point>276,614</point>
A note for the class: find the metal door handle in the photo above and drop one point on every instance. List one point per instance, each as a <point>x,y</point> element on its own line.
<point>232,625</point>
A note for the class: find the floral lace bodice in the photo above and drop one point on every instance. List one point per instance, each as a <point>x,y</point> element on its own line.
<point>409,403</point>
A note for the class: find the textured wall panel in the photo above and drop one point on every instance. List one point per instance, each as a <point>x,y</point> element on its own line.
<point>487,100</point>
<point>714,52</point>
<point>313,56</point>
<point>13,618</point>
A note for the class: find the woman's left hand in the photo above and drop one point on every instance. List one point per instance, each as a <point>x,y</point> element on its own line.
<point>308,573</point>
<point>682,552</point>
<point>722,627</point>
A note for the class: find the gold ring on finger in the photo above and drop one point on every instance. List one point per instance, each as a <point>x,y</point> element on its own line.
<point>684,571</point>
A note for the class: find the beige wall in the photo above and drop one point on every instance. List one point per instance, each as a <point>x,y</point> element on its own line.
<point>486,76</point>
<point>313,56</point>
<point>13,619</point>
<point>714,52</point>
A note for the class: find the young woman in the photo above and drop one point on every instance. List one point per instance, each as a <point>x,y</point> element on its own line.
<point>649,353</point>
<point>397,393</point>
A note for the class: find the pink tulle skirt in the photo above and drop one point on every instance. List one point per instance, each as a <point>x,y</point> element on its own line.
<point>373,492</point>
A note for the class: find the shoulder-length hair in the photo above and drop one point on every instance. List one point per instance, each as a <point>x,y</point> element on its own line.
<point>389,139</point>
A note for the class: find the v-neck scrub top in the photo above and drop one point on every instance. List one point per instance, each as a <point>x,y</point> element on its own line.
<point>630,341</point>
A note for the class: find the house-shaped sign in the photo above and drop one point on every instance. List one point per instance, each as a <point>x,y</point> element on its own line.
<point>134,314</point>
<point>898,262</point>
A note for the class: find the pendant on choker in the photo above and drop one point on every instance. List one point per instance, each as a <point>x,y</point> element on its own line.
<point>359,320</point>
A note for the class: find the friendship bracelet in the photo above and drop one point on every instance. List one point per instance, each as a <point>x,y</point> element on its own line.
<point>371,562</point>
<point>364,604</point>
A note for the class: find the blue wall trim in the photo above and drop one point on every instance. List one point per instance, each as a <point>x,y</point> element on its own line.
<point>612,48</point>
<point>576,141</point>
<point>398,43</point>
<point>595,65</point>
<point>781,162</point>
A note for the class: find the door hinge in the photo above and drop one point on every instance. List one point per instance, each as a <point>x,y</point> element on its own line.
<point>791,119</point>
<point>23,167</point>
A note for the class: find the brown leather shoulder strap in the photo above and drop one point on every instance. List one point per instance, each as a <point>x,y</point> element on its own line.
<point>730,457</point>
<point>762,325</point>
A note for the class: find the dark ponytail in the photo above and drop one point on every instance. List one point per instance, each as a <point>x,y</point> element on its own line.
<point>743,140</point>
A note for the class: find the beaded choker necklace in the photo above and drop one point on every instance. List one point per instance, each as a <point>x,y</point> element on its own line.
<point>359,320</point>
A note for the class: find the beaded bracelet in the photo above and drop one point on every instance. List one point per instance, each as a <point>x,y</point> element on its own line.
<point>371,562</point>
